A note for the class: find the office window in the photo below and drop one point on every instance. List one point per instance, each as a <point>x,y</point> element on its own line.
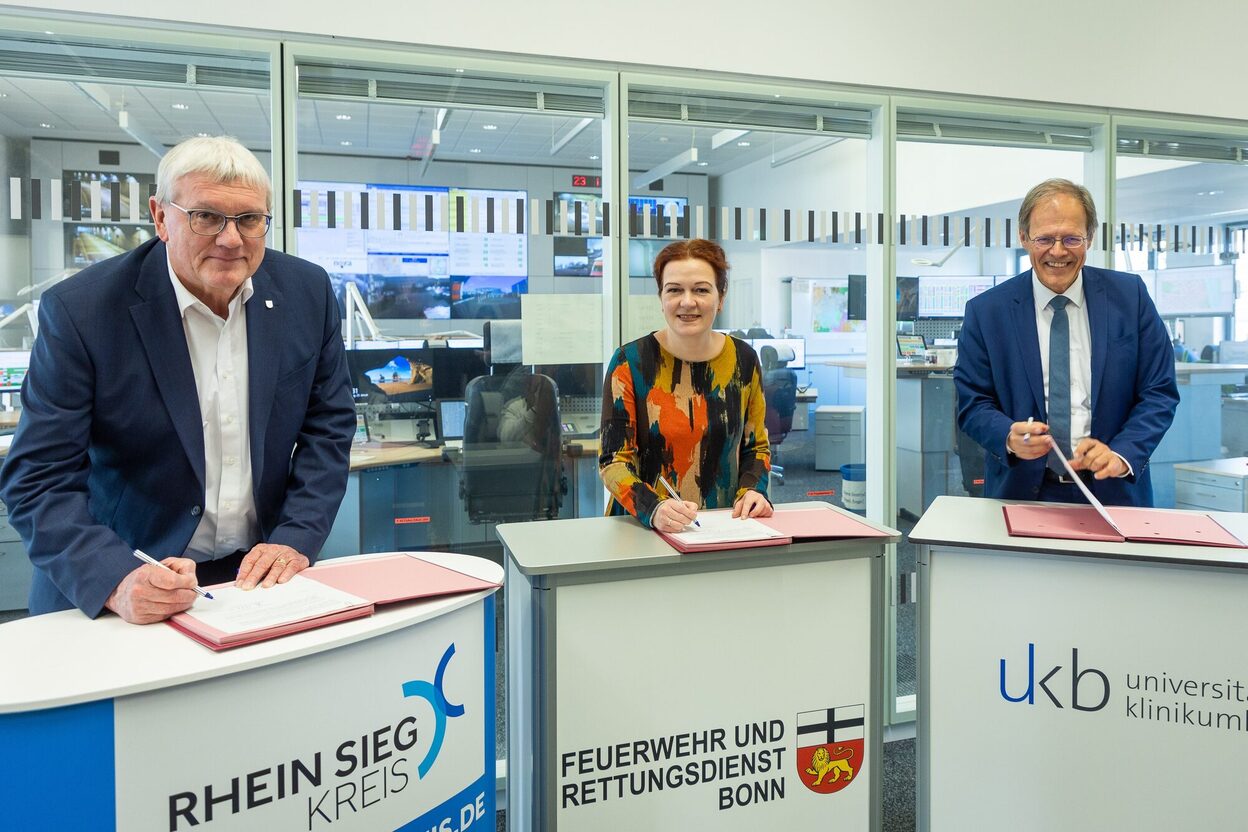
<point>84,121</point>
<point>461,212</point>
<point>961,176</point>
<point>1180,197</point>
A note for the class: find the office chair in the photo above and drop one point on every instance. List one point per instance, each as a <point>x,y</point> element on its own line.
<point>780,392</point>
<point>512,469</point>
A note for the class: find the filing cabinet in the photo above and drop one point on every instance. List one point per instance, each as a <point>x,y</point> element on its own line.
<point>1212,485</point>
<point>15,568</point>
<point>839,436</point>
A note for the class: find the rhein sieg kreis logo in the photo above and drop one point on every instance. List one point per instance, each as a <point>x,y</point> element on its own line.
<point>337,782</point>
<point>1066,679</point>
<point>831,745</point>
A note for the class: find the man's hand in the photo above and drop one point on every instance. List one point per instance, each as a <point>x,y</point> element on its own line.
<point>1097,457</point>
<point>268,564</point>
<point>1029,440</point>
<point>751,504</point>
<point>150,594</point>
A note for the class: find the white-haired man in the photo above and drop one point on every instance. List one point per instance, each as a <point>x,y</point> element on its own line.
<point>189,399</point>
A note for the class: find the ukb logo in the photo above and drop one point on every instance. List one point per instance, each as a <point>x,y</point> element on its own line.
<point>1088,682</point>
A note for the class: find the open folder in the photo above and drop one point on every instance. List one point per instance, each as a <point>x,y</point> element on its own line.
<point>720,530</point>
<point>1096,522</point>
<point>324,594</point>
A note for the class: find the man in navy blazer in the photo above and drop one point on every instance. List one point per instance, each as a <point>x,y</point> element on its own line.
<point>1121,365</point>
<point>188,398</point>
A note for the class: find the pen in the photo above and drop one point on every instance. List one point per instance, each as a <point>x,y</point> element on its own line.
<point>146,558</point>
<point>1027,435</point>
<point>672,492</point>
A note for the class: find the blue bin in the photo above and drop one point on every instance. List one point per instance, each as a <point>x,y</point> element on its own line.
<point>854,487</point>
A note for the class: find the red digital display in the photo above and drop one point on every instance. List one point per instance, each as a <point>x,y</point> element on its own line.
<point>586,180</point>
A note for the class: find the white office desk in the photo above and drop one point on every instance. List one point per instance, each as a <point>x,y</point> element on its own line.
<point>1075,632</point>
<point>107,725</point>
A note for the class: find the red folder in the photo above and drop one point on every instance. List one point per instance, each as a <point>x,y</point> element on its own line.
<point>1141,525</point>
<point>373,581</point>
<point>793,524</point>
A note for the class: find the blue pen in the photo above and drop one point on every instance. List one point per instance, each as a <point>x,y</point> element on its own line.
<point>146,558</point>
<point>672,493</point>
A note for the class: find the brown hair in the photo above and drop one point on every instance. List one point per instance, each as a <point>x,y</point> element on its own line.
<point>696,249</point>
<point>1052,187</point>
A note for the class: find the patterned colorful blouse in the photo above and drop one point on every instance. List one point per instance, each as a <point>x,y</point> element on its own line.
<point>701,426</point>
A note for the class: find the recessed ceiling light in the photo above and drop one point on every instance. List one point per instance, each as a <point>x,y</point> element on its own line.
<point>459,71</point>
<point>703,164</point>
<point>345,143</point>
<point>343,117</point>
<point>489,126</point>
<point>4,95</point>
<point>663,138</point>
<point>180,106</point>
<point>474,150</point>
<point>45,125</point>
<point>1214,193</point>
<point>48,32</point>
<point>202,135</point>
<point>593,158</point>
<point>743,144</point>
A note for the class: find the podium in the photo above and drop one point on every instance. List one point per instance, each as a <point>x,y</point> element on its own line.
<point>374,723</point>
<point>1077,685</point>
<point>728,690</point>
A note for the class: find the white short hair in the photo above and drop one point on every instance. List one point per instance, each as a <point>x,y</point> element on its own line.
<point>222,159</point>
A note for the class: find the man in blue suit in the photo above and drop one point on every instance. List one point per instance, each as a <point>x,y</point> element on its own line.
<point>188,398</point>
<point>1069,355</point>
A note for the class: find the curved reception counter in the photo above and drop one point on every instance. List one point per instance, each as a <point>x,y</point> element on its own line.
<point>384,722</point>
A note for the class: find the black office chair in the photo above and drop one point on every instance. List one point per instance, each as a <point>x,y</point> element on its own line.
<point>780,392</point>
<point>971,461</point>
<point>512,468</point>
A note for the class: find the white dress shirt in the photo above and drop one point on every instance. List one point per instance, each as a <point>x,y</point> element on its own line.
<point>218,351</point>
<point>1080,356</point>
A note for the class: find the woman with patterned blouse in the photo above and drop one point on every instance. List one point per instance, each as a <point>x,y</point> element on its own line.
<point>686,404</point>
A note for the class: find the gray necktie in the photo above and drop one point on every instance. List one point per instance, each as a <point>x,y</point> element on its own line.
<point>1059,380</point>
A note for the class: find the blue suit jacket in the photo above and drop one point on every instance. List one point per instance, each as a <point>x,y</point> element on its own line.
<point>1000,380</point>
<point>109,455</point>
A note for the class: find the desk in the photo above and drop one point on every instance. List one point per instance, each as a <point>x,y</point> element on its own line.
<point>1212,485</point>
<point>615,640</point>
<point>107,725</point>
<point>1055,676</point>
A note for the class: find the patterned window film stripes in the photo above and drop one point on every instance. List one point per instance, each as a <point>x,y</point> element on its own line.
<point>96,201</point>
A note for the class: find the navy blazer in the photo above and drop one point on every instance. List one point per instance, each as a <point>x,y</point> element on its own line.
<point>1000,380</point>
<point>109,455</point>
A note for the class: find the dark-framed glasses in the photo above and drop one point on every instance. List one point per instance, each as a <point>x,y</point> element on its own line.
<point>212,223</point>
<point>1072,241</point>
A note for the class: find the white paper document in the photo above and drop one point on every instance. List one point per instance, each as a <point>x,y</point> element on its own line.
<point>1096,504</point>
<point>238,611</point>
<point>722,527</point>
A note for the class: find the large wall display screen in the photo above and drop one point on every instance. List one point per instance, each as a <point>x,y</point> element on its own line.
<point>1200,290</point>
<point>419,271</point>
<point>946,297</point>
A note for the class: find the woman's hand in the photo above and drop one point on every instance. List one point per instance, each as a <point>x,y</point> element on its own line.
<point>674,515</point>
<point>751,504</point>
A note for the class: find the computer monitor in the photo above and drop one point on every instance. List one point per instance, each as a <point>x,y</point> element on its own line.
<point>452,414</point>
<point>391,376</point>
<point>910,346</point>
<point>13,367</point>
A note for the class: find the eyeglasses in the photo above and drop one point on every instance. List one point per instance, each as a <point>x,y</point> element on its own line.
<point>212,223</point>
<point>1072,241</point>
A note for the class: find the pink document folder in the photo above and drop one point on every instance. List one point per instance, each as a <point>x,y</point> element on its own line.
<point>383,580</point>
<point>1141,525</point>
<point>794,524</point>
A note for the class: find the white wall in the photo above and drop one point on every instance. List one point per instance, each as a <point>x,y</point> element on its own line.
<point>1144,55</point>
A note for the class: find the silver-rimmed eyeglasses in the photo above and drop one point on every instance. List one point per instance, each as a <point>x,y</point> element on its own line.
<point>212,223</point>
<point>1072,241</point>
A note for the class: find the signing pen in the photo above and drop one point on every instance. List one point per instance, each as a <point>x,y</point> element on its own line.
<point>1027,435</point>
<point>672,491</point>
<point>146,558</point>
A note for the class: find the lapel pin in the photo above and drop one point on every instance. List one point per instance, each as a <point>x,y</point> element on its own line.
<point>268,304</point>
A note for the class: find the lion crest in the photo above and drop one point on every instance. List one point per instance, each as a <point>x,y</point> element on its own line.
<point>822,764</point>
